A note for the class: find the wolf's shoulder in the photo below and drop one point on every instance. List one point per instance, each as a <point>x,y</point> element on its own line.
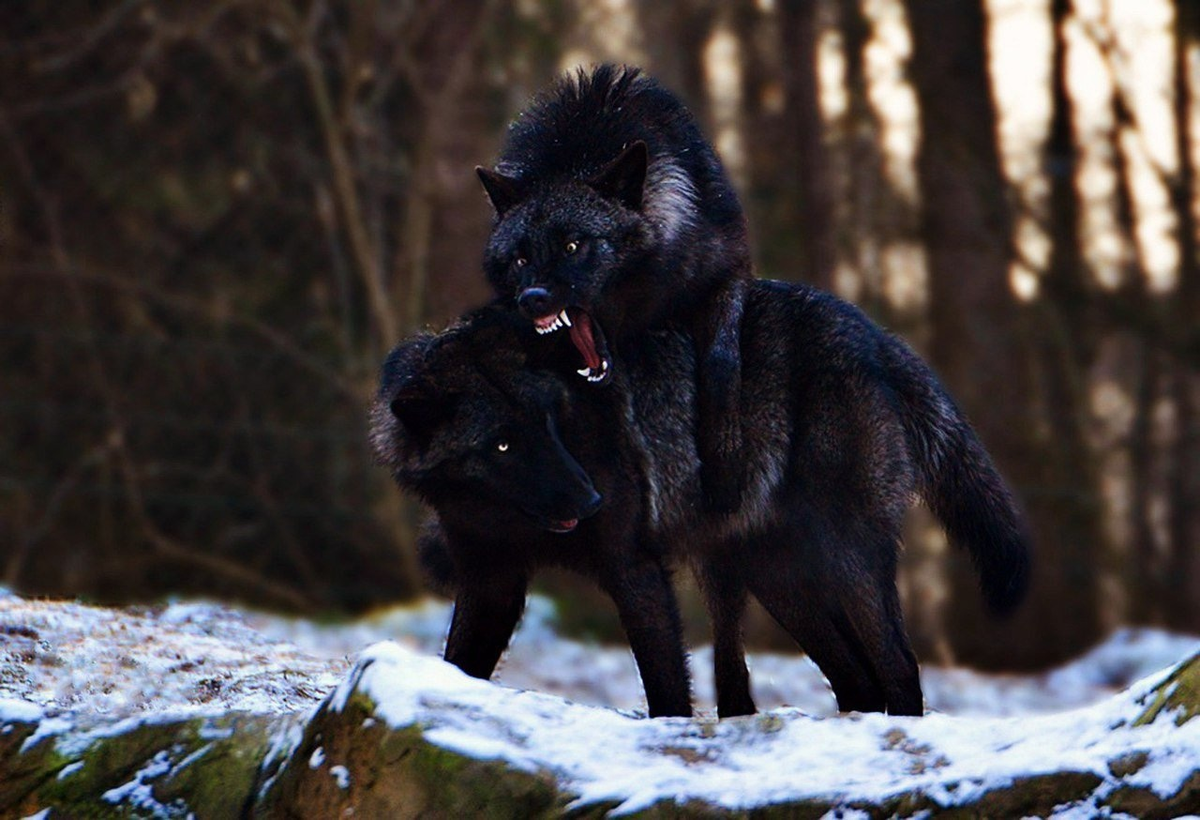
<point>813,324</point>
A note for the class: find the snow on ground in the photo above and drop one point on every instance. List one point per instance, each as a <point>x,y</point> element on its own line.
<point>68,657</point>
<point>747,762</point>
<point>541,660</point>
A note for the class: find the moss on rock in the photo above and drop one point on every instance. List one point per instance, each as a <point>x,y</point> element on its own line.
<point>1139,801</point>
<point>346,759</point>
<point>205,767</point>
<point>349,759</point>
<point>1178,694</point>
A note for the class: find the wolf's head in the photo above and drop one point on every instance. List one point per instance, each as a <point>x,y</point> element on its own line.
<point>461,420</point>
<point>559,248</point>
<point>595,194</point>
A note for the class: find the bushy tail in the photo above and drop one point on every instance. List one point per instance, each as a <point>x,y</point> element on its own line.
<point>960,484</point>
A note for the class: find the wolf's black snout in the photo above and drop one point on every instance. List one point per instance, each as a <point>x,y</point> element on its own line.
<point>535,302</point>
<point>592,506</point>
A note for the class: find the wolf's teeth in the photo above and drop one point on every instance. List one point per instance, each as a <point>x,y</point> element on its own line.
<point>604,365</point>
<point>584,371</point>
<point>564,318</point>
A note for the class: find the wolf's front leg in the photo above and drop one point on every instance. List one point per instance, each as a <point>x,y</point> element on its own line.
<point>485,614</point>
<point>646,604</point>
<point>724,588</point>
<point>718,334</point>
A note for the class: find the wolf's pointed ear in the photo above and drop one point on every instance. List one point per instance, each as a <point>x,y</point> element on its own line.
<point>504,192</point>
<point>420,409</point>
<point>624,179</point>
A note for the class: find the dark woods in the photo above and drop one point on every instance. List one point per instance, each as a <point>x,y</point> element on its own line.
<point>215,218</point>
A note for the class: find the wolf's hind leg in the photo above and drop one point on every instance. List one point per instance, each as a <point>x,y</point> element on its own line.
<point>485,615</point>
<point>719,387</point>
<point>801,609</point>
<point>865,606</point>
<point>725,597</point>
<point>649,613</point>
<point>889,649</point>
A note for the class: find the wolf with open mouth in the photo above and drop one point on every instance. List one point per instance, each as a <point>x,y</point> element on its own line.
<point>473,423</point>
<point>614,218</point>
<point>526,466</point>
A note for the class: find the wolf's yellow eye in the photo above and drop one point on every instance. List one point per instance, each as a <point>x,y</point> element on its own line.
<point>502,446</point>
<point>522,261</point>
<point>572,247</point>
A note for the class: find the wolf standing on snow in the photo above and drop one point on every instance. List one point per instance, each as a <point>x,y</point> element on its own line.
<point>614,217</point>
<point>804,428</point>
<point>847,426</point>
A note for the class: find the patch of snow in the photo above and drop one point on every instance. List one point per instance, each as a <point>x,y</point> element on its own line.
<point>283,745</point>
<point>147,664</point>
<point>206,658</point>
<point>792,755</point>
<point>210,731</point>
<point>14,710</point>
<point>69,770</point>
<point>342,775</point>
<point>540,659</point>
<point>193,757</point>
<point>137,792</point>
<point>48,727</point>
<point>67,657</point>
<point>41,815</point>
<point>317,759</point>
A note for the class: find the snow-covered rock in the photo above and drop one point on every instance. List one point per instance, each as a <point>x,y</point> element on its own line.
<point>113,713</point>
<point>413,732</point>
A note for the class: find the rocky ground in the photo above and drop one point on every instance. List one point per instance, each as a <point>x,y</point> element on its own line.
<point>200,709</point>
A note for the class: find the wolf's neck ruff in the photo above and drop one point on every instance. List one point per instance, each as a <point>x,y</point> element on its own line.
<point>671,199</point>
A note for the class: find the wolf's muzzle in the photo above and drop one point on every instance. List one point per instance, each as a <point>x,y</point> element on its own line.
<point>535,302</point>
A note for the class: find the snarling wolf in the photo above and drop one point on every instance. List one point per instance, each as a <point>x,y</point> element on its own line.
<point>844,426</point>
<point>614,217</point>
<point>468,423</point>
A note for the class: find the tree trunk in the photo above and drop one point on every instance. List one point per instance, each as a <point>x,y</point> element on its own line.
<point>1183,598</point>
<point>1141,569</point>
<point>978,344</point>
<point>807,160</point>
<point>1069,517</point>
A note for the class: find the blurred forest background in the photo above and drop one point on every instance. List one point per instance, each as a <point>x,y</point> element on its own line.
<point>216,217</point>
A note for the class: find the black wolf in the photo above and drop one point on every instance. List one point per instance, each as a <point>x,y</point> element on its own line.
<point>844,426</point>
<point>615,217</point>
<point>470,426</point>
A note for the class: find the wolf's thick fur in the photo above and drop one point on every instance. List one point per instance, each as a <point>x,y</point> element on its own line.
<point>611,206</point>
<point>844,426</point>
<point>466,424</point>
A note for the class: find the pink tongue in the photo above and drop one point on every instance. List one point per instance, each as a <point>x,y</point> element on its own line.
<point>581,335</point>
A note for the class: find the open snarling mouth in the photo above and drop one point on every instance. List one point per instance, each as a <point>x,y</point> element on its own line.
<point>587,338</point>
<point>556,525</point>
<point>563,526</point>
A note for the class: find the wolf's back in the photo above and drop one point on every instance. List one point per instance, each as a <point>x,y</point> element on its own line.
<point>959,482</point>
<point>588,117</point>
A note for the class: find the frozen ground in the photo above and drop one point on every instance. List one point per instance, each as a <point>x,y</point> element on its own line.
<point>68,657</point>
<point>604,756</point>
<point>1070,740</point>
